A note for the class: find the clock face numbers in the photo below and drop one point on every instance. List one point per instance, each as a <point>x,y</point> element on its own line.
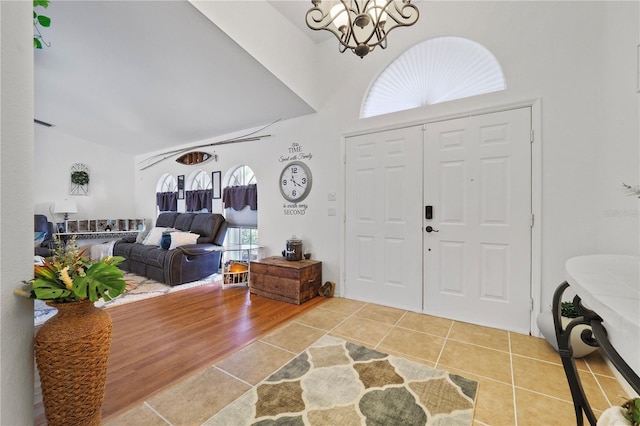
<point>295,181</point>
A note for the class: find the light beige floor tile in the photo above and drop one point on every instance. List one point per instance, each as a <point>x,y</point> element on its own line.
<point>362,329</point>
<point>412,343</point>
<point>323,319</point>
<point>535,410</point>
<point>533,347</point>
<point>597,364</point>
<point>494,401</point>
<point>353,340</point>
<point>294,337</point>
<point>550,379</point>
<point>478,360</point>
<point>198,398</point>
<point>141,415</point>
<point>426,323</point>
<point>343,306</point>
<point>540,376</point>
<point>255,362</point>
<point>409,357</point>
<point>479,335</point>
<point>614,392</point>
<point>380,313</point>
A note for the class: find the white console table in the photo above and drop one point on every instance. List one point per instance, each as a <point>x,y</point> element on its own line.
<point>607,289</point>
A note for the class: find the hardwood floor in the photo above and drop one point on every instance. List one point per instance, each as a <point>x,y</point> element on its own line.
<point>160,341</point>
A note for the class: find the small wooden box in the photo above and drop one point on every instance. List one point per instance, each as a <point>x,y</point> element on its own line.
<point>288,281</point>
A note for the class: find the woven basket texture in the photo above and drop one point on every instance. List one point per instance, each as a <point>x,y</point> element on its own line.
<point>72,352</point>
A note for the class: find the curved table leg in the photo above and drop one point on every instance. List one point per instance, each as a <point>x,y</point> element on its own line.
<point>580,402</point>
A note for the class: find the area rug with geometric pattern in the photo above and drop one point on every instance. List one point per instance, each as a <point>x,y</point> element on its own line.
<point>334,382</point>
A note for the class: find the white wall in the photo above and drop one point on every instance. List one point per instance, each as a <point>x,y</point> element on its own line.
<point>16,222</point>
<point>576,58</point>
<point>111,176</point>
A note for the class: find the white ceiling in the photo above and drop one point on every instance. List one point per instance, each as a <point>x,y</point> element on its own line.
<point>142,76</point>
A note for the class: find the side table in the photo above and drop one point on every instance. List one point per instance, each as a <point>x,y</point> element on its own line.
<point>288,281</point>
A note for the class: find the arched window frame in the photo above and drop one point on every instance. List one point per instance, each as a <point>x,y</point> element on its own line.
<point>433,71</point>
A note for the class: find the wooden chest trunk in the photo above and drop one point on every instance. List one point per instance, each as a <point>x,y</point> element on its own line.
<point>288,281</point>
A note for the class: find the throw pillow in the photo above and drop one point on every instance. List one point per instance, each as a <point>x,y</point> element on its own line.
<point>38,238</point>
<point>142,235</point>
<point>182,238</point>
<point>165,241</point>
<point>154,237</point>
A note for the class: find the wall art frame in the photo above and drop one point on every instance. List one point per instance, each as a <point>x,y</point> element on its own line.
<point>79,179</point>
<point>180,187</point>
<point>216,184</point>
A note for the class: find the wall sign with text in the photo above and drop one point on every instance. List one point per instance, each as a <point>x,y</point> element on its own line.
<point>295,180</point>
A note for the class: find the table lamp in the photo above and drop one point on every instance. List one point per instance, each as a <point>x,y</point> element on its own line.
<point>65,207</point>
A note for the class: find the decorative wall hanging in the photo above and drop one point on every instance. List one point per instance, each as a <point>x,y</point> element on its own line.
<point>79,180</point>
<point>193,157</point>
<point>181,187</point>
<point>155,159</point>
<point>216,184</point>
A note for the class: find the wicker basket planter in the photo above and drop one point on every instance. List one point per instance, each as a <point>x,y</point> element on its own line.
<point>72,351</point>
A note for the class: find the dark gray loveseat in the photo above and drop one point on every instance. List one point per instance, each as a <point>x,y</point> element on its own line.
<point>182,264</point>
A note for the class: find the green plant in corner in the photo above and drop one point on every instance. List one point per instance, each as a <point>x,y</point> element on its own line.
<point>40,21</point>
<point>632,411</point>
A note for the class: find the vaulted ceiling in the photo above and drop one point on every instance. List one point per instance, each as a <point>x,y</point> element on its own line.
<point>141,76</point>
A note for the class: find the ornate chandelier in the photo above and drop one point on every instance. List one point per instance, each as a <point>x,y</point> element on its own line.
<point>361,25</point>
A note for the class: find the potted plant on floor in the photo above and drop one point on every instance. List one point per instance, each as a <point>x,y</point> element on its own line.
<point>568,313</point>
<point>72,348</point>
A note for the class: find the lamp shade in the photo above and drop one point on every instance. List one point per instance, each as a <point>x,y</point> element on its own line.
<point>65,206</point>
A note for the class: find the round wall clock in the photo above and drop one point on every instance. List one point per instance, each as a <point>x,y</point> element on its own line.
<point>295,181</point>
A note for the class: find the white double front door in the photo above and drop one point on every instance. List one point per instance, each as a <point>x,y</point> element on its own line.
<point>475,174</point>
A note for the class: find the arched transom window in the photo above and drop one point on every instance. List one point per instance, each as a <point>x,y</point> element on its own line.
<point>433,71</point>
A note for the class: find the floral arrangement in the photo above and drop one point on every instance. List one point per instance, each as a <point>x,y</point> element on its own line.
<point>67,276</point>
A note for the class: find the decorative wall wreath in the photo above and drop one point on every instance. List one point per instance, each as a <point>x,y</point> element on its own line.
<point>80,177</point>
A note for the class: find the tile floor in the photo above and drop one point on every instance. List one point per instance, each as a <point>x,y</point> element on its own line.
<point>521,378</point>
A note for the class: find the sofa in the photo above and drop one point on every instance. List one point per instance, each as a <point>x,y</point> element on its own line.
<point>44,243</point>
<point>180,248</point>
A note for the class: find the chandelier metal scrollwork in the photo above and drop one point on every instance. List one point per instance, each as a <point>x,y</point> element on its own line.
<point>361,25</point>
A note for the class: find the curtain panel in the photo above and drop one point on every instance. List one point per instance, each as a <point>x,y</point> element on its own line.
<point>167,201</point>
<point>198,200</point>
<point>237,197</point>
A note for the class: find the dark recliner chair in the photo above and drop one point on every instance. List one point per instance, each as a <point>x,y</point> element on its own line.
<point>183,264</point>
<point>48,245</point>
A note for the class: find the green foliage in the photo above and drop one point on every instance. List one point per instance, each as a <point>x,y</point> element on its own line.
<point>80,177</point>
<point>67,276</point>
<point>40,21</point>
<point>632,408</point>
<point>568,310</point>
<point>102,280</point>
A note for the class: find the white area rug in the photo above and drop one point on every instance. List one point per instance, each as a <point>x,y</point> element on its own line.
<point>138,288</point>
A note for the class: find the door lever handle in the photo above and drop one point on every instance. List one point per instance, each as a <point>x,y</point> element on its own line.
<point>430,229</point>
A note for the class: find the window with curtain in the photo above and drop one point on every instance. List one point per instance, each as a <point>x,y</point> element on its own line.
<point>198,194</point>
<point>167,193</point>
<point>240,198</point>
